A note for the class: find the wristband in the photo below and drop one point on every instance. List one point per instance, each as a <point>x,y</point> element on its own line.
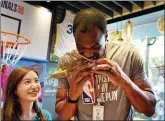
<point>71,101</point>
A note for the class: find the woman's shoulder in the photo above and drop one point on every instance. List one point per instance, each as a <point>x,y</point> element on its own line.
<point>47,114</point>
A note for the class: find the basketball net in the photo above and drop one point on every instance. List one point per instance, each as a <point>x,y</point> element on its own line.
<point>13,47</point>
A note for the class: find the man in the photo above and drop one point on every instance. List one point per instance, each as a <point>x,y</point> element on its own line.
<point>124,84</point>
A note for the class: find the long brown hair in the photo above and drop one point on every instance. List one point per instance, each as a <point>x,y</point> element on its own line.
<point>12,109</point>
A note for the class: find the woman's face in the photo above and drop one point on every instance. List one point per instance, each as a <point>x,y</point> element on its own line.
<point>29,87</point>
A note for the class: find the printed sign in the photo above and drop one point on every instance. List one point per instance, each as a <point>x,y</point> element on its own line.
<point>12,7</point>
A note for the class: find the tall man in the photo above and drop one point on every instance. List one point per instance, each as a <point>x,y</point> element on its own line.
<point>120,90</point>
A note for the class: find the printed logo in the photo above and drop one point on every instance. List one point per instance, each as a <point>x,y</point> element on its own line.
<point>88,94</point>
<point>12,7</point>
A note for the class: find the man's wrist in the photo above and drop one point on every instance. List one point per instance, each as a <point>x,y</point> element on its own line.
<point>125,81</point>
<point>129,87</point>
<point>71,100</point>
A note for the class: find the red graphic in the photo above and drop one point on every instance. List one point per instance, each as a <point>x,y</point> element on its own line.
<point>91,87</point>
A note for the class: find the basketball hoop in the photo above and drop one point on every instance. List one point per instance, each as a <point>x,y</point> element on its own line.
<point>13,47</point>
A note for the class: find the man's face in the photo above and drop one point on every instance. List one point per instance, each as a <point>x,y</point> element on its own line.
<point>90,44</point>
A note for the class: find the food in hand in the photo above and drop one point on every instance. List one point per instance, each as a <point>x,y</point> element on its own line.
<point>68,63</point>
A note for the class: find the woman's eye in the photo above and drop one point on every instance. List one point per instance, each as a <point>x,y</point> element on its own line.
<point>37,80</point>
<point>27,82</point>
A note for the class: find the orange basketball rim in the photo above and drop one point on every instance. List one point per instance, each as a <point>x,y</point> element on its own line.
<point>13,47</point>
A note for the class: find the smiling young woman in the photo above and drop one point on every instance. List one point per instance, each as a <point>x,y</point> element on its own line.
<point>21,95</point>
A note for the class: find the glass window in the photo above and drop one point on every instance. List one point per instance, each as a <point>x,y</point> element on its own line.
<point>152,51</point>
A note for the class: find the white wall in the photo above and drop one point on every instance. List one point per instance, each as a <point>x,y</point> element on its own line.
<point>35,25</point>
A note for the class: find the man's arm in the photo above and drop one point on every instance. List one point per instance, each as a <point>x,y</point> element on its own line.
<point>141,96</point>
<point>64,109</point>
<point>138,92</point>
<point>72,85</point>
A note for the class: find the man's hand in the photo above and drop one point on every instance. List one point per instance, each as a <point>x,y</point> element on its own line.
<point>112,70</point>
<point>77,80</point>
<point>141,99</point>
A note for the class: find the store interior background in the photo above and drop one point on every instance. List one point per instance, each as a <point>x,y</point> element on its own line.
<point>145,27</point>
<point>144,30</point>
